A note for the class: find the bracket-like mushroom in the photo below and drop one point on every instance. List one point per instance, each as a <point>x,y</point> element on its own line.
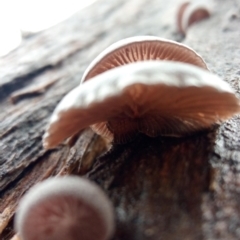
<point>150,97</point>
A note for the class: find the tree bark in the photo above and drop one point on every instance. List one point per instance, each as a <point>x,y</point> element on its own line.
<point>162,188</point>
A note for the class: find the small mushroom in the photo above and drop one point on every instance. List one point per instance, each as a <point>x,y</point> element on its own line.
<point>150,97</point>
<point>135,49</point>
<point>180,12</point>
<point>65,208</point>
<point>192,12</point>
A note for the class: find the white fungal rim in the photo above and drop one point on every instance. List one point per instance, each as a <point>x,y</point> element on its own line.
<point>131,40</point>
<point>113,81</point>
<point>74,186</point>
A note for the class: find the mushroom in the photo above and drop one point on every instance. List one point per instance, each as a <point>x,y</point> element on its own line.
<point>135,49</point>
<point>141,48</point>
<point>192,12</point>
<point>150,97</point>
<point>63,208</point>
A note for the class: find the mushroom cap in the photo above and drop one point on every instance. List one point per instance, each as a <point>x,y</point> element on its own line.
<point>194,12</point>
<point>63,208</point>
<point>141,48</point>
<point>151,97</point>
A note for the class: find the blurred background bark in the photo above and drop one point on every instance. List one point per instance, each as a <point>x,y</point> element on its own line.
<point>162,188</point>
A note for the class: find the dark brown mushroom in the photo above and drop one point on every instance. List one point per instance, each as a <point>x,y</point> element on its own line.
<point>150,97</point>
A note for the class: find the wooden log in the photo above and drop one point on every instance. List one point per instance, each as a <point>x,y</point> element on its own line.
<point>162,188</point>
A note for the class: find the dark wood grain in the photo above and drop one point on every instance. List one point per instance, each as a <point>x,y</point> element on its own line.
<point>162,188</point>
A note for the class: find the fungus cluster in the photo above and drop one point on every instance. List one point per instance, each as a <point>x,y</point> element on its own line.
<point>143,85</point>
<point>65,208</point>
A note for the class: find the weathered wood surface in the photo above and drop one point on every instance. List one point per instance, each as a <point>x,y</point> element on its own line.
<point>162,188</point>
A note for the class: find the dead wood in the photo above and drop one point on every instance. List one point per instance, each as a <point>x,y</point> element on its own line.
<point>162,188</point>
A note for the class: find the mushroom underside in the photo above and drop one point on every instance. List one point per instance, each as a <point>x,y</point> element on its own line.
<point>174,102</point>
<point>184,117</point>
<point>142,48</point>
